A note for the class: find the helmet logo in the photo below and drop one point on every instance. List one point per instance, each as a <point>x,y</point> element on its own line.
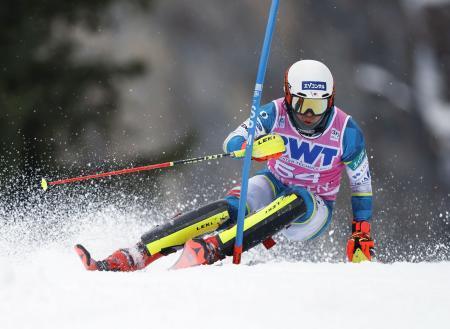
<point>314,85</point>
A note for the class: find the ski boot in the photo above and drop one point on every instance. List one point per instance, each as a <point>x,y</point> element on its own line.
<point>199,251</point>
<point>122,260</point>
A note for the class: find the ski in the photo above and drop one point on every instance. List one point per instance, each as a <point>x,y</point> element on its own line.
<point>89,263</point>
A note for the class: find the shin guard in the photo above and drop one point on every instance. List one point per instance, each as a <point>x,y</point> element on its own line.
<point>172,235</point>
<point>260,226</point>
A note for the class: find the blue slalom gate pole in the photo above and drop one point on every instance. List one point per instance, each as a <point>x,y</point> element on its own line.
<point>251,129</point>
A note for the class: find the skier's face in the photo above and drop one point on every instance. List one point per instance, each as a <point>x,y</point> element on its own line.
<point>309,110</point>
<point>308,118</point>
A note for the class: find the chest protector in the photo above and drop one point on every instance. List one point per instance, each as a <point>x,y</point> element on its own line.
<point>313,163</point>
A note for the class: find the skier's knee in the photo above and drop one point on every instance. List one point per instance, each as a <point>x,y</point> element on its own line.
<point>313,223</point>
<point>308,199</point>
<point>233,206</point>
<point>260,193</point>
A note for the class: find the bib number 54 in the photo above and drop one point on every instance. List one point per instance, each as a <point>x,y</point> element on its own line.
<point>287,171</point>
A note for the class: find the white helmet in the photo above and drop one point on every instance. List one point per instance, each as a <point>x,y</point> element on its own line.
<point>309,86</point>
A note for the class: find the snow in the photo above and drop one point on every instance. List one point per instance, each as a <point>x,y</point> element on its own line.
<point>49,288</point>
<point>44,285</point>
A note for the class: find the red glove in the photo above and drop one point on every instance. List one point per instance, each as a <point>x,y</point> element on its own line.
<point>360,245</point>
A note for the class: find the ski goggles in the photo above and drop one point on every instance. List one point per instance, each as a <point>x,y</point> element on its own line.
<point>315,105</point>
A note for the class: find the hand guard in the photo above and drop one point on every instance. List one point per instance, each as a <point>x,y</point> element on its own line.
<point>360,245</point>
<point>266,147</point>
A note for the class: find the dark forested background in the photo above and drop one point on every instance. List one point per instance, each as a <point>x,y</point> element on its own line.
<point>87,86</point>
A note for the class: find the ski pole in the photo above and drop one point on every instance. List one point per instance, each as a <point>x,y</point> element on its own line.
<point>236,154</point>
<point>251,133</point>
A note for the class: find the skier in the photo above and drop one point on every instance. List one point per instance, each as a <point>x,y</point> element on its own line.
<point>294,195</point>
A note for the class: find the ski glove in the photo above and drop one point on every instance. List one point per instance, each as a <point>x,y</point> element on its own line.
<point>360,245</point>
<point>266,147</point>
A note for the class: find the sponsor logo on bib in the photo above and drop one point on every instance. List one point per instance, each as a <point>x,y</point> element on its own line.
<point>335,134</point>
<point>307,154</point>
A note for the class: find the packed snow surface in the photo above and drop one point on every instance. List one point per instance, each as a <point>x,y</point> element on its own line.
<point>49,288</point>
<point>44,285</point>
